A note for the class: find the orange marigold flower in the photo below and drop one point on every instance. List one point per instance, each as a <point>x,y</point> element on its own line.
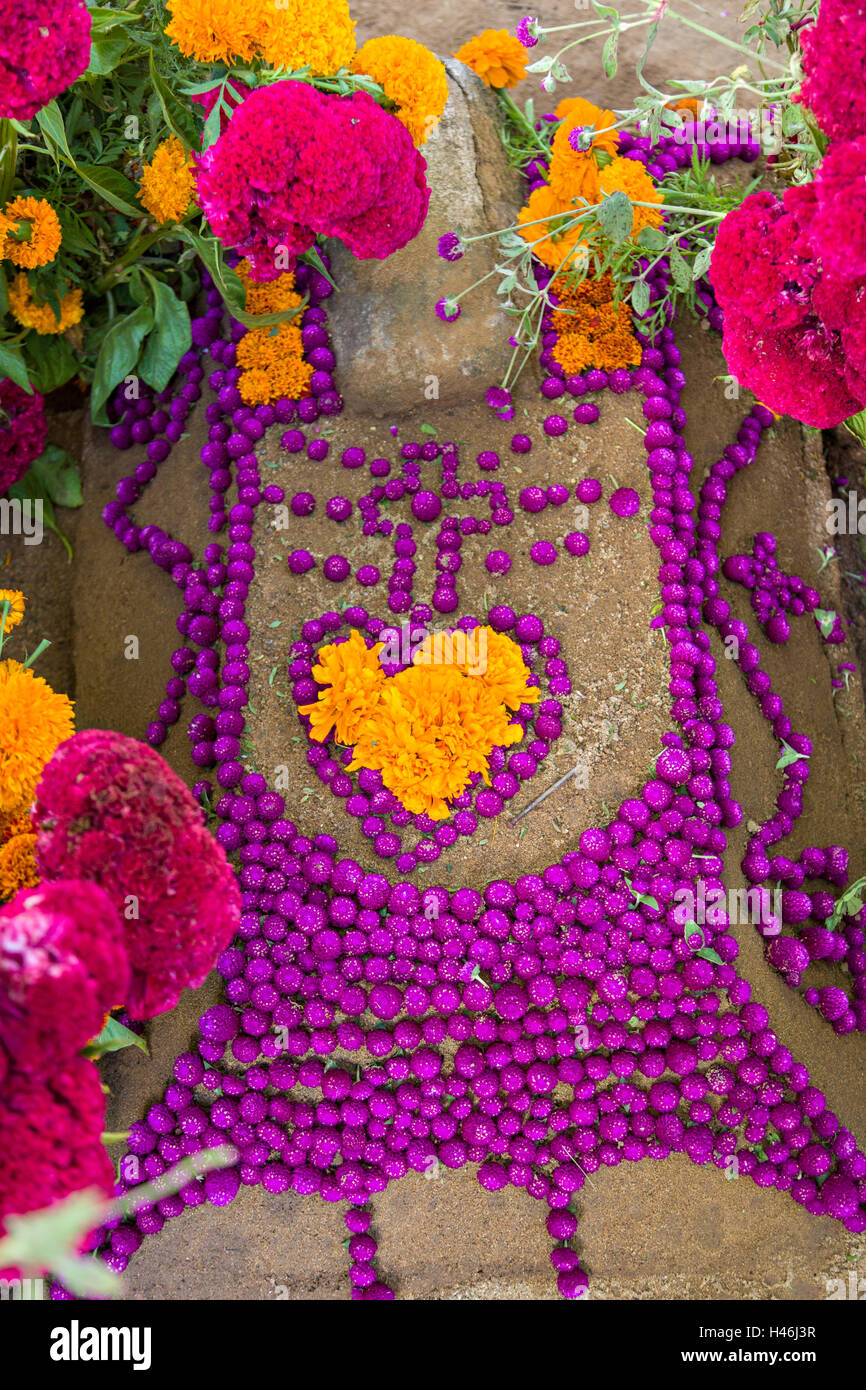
<point>34,719</point>
<point>32,237</point>
<point>215,31</point>
<point>411,76</point>
<point>268,296</point>
<point>496,56</point>
<point>305,33</point>
<point>167,182</point>
<point>633,179</point>
<point>574,173</point>
<point>18,865</point>
<point>431,730</point>
<point>593,331</point>
<point>17,603</point>
<point>354,679</point>
<point>557,243</point>
<point>34,313</point>
<point>272,360</point>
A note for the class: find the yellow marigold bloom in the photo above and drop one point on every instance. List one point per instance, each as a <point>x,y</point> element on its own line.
<point>496,56</point>
<point>17,602</point>
<point>34,719</point>
<point>306,33</point>
<point>505,672</point>
<point>411,76</point>
<point>167,182</point>
<point>18,865</point>
<point>268,296</point>
<point>43,241</point>
<point>574,173</point>
<point>557,244</point>
<point>486,656</point>
<point>215,31</point>
<point>272,360</point>
<point>593,331</point>
<point>633,179</point>
<point>34,313</point>
<point>432,728</point>
<point>354,679</point>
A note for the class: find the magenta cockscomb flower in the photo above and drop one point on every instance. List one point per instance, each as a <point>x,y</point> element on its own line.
<point>51,1138</point>
<point>447,309</point>
<point>22,432</point>
<point>63,966</point>
<point>792,334</point>
<point>295,163</point>
<point>834,51</point>
<point>43,48</point>
<point>110,810</point>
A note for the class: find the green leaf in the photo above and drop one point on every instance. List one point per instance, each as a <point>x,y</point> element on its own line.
<point>113,1038</point>
<point>31,488</point>
<point>789,756</point>
<point>105,56</point>
<point>826,620</point>
<point>59,475</point>
<point>702,262</point>
<point>111,185</point>
<point>54,361</point>
<point>652,239</point>
<point>707,953</point>
<point>682,276</point>
<point>169,339</point>
<point>608,55</point>
<point>50,121</point>
<point>12,364</point>
<point>615,216</point>
<point>315,259</point>
<point>541,64</point>
<point>228,283</point>
<point>48,1240</point>
<point>117,357</point>
<point>640,296</point>
<point>179,120</point>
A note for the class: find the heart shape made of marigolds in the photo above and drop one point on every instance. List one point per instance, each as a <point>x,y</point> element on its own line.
<point>441,727</point>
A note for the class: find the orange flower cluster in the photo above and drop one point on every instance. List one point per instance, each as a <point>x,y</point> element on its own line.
<point>593,331</point>
<point>430,727</point>
<point>577,177</point>
<point>272,358</point>
<point>17,857</point>
<point>496,56</point>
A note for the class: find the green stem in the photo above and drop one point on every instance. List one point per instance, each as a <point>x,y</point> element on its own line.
<point>134,251</point>
<point>8,158</point>
<point>729,43</point>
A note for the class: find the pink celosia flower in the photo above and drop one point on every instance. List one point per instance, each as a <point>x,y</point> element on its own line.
<point>22,432</point>
<point>43,48</point>
<point>766,277</point>
<point>834,55</point>
<point>63,966</point>
<point>838,228</point>
<point>50,1138</point>
<point>295,163</point>
<point>109,809</point>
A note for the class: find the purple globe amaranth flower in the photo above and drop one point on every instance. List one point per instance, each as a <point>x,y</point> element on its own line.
<point>499,399</point>
<point>528,31</point>
<point>447,309</point>
<point>580,139</point>
<point>451,247</point>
